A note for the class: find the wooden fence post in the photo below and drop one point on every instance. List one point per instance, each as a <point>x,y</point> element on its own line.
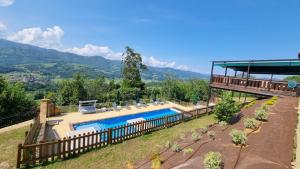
<point>59,149</point>
<point>19,155</point>
<point>182,117</point>
<point>109,136</point>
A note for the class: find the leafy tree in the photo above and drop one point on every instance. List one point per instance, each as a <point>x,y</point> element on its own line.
<point>132,67</point>
<point>13,99</point>
<point>225,108</point>
<point>71,91</point>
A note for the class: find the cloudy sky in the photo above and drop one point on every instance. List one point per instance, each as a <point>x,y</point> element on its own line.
<point>182,34</point>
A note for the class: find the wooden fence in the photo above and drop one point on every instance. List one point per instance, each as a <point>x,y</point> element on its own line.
<point>43,152</point>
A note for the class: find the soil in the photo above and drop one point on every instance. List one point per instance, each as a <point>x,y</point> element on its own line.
<point>270,147</point>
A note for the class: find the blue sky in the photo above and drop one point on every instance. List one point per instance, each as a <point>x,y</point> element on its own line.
<point>175,33</point>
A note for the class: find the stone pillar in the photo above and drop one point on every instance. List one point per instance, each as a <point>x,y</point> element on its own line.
<point>44,110</point>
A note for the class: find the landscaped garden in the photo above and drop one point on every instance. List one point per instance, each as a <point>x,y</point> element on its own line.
<point>248,142</point>
<point>115,156</point>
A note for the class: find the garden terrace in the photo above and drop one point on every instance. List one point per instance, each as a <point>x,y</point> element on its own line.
<point>246,84</point>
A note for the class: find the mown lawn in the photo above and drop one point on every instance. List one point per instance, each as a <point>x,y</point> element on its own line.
<point>111,157</point>
<point>8,146</point>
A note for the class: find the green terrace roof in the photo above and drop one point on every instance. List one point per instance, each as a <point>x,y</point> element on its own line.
<point>280,67</point>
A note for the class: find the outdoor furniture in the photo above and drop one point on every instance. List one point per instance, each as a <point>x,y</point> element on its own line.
<point>116,107</point>
<point>87,107</point>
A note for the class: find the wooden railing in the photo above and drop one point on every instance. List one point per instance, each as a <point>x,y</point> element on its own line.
<point>253,83</point>
<point>46,151</point>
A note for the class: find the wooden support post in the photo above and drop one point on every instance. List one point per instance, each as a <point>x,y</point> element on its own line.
<point>245,98</point>
<point>269,85</point>
<point>225,76</point>
<point>248,75</point>
<point>209,93</point>
<point>240,96</point>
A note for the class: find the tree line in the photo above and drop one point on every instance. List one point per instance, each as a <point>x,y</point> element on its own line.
<point>15,99</point>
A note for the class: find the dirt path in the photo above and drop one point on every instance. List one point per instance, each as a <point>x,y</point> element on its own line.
<point>270,147</point>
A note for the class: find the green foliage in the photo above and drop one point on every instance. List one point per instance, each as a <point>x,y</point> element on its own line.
<point>132,67</point>
<point>293,78</point>
<point>226,107</point>
<point>71,91</point>
<point>261,115</point>
<point>238,137</point>
<point>251,123</point>
<point>204,129</point>
<point>176,148</point>
<point>223,124</point>
<point>211,135</point>
<point>188,91</point>
<point>13,99</point>
<point>188,150</point>
<point>196,136</point>
<point>168,144</point>
<point>212,160</point>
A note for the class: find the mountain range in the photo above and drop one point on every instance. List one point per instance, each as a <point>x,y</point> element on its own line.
<point>22,60</point>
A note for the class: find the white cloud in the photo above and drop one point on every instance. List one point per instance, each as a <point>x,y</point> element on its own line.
<point>152,61</point>
<point>49,38</point>
<point>94,50</point>
<point>2,27</point>
<point>6,2</point>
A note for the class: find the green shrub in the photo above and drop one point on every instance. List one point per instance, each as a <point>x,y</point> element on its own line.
<point>188,150</point>
<point>176,148</point>
<point>225,108</point>
<point>261,115</point>
<point>264,107</point>
<point>211,135</point>
<point>168,144</point>
<point>204,130</point>
<point>212,160</point>
<point>238,136</point>
<point>251,123</point>
<point>223,124</point>
<point>196,136</point>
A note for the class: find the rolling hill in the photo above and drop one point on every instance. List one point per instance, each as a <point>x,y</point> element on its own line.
<point>20,60</point>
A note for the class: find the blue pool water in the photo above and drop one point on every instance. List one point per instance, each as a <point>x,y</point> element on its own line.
<point>122,120</point>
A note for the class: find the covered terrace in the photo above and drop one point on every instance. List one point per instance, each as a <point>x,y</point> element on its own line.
<point>243,79</point>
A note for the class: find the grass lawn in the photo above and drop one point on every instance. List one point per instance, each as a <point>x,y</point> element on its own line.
<point>8,146</point>
<point>111,157</point>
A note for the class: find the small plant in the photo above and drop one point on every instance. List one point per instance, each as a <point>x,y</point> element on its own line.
<point>188,150</point>
<point>176,148</point>
<point>264,107</point>
<point>129,166</point>
<point>211,135</point>
<point>204,130</point>
<point>168,144</point>
<point>251,123</point>
<point>238,137</point>
<point>212,160</point>
<point>196,136</point>
<point>156,163</point>
<point>226,108</point>
<point>223,124</point>
<point>261,115</point>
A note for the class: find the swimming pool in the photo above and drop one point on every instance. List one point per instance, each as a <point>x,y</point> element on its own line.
<point>123,120</point>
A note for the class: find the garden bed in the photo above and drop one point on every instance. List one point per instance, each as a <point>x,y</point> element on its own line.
<point>269,147</point>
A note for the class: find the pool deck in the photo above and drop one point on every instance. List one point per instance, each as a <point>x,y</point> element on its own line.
<point>67,119</point>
